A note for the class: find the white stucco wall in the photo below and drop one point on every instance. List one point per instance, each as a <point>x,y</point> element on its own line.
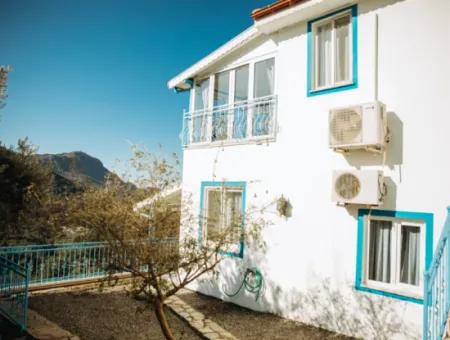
<point>309,263</point>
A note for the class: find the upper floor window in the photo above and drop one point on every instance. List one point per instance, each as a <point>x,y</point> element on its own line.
<point>332,52</point>
<point>242,106</point>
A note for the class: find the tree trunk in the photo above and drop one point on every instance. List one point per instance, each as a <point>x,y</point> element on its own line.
<point>161,316</point>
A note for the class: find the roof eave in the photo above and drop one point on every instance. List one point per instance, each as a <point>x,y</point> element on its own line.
<point>223,51</point>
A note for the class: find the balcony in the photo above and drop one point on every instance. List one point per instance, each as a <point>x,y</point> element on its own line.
<point>250,121</point>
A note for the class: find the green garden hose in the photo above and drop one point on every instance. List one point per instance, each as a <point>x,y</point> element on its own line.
<point>252,282</point>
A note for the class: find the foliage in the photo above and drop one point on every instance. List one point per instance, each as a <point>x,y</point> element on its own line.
<point>149,240</point>
<point>27,203</point>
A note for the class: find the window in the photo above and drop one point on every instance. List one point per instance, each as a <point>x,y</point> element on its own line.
<point>263,87</point>
<point>240,98</point>
<point>221,97</point>
<point>332,52</point>
<point>232,106</point>
<point>393,251</point>
<point>222,207</point>
<point>199,120</point>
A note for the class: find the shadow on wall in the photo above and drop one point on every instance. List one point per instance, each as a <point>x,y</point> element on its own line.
<point>342,310</point>
<point>394,150</point>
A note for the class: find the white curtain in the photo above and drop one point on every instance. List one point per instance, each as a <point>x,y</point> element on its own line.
<point>380,251</point>
<point>323,50</point>
<point>233,211</point>
<point>270,74</point>
<point>264,78</point>
<point>342,27</point>
<point>410,260</point>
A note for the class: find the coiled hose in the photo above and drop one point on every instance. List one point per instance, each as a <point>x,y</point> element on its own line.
<point>252,282</point>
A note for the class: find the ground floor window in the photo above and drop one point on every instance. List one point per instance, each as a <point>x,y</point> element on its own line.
<point>222,212</point>
<point>394,249</point>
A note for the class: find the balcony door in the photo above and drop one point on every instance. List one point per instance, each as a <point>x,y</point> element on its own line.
<point>221,101</point>
<point>263,88</point>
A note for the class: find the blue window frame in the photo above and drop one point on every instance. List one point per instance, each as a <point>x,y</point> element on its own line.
<point>399,223</point>
<point>237,187</point>
<point>333,52</point>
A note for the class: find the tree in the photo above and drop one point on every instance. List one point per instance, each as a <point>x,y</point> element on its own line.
<point>162,252</point>
<point>27,203</point>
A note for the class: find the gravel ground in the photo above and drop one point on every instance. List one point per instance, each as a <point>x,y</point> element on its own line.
<point>114,315</point>
<point>250,325</point>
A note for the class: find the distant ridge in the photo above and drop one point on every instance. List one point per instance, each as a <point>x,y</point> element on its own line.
<point>76,171</point>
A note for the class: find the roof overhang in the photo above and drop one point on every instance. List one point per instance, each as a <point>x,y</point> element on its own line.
<point>180,80</point>
<point>304,10</point>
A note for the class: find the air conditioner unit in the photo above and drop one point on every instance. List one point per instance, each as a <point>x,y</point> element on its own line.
<point>358,187</point>
<point>358,127</point>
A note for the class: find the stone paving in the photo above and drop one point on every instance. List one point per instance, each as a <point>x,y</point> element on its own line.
<point>207,328</point>
<point>42,329</point>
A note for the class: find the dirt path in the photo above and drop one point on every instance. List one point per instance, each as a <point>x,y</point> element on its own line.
<point>114,315</point>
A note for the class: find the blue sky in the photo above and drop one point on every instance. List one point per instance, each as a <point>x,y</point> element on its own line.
<point>91,75</point>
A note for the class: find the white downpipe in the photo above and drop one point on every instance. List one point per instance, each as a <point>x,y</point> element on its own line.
<point>375,60</point>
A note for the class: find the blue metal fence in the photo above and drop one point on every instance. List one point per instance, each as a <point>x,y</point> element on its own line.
<point>14,291</point>
<point>61,262</point>
<point>51,263</point>
<point>436,288</point>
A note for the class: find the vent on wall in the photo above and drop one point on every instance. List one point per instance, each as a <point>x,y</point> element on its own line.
<point>358,187</point>
<point>358,127</point>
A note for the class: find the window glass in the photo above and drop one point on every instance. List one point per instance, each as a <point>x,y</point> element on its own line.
<point>241,84</point>
<point>213,218</point>
<point>264,78</point>
<point>409,258</point>
<point>342,64</point>
<point>323,51</point>
<point>380,251</point>
<point>224,211</point>
<point>221,88</point>
<point>201,94</point>
<point>331,52</point>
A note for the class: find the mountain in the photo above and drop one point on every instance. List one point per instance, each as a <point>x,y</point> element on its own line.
<point>76,170</point>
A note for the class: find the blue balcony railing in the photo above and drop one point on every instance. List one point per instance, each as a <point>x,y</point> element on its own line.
<point>436,288</point>
<point>250,120</point>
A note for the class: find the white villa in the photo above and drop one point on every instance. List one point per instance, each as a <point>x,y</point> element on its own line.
<point>343,108</point>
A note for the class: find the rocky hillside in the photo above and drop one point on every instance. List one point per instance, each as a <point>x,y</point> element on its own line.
<point>77,167</point>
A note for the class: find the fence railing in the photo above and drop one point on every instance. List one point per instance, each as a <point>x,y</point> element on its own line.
<point>52,263</point>
<point>436,288</point>
<point>60,262</point>
<point>238,122</point>
<point>14,291</point>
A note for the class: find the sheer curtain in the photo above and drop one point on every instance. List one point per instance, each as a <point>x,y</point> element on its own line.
<point>342,27</point>
<point>200,103</point>
<point>380,250</point>
<point>410,261</point>
<point>323,59</point>
<point>233,213</point>
<point>240,98</point>
<point>264,86</point>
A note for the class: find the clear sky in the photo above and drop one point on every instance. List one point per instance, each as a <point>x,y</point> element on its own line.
<point>91,75</point>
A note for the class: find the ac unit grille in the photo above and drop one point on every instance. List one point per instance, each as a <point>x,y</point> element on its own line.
<point>347,186</point>
<point>346,126</point>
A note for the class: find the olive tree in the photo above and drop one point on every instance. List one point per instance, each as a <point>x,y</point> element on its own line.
<point>156,242</point>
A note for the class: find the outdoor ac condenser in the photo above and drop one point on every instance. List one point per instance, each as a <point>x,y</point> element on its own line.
<point>358,127</point>
<point>364,187</point>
